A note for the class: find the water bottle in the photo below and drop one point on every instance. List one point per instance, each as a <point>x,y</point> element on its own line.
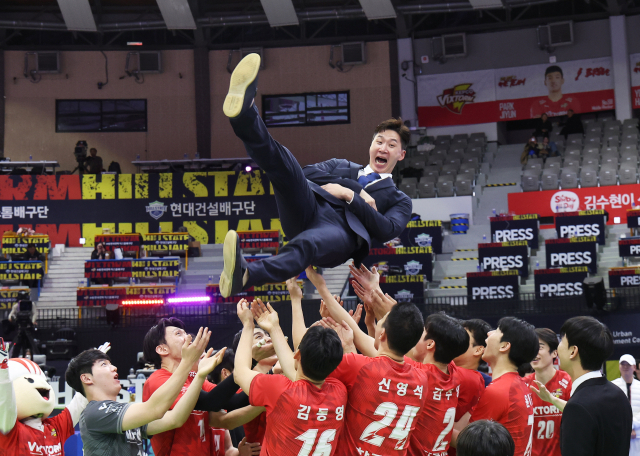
<point>210,281</point>
<point>138,157</point>
<point>478,268</point>
<point>159,229</point>
<point>186,156</point>
<point>484,238</point>
<point>30,157</point>
<point>537,264</point>
<point>197,157</point>
<point>494,212</point>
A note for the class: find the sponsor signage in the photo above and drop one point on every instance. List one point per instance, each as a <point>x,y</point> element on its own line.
<point>624,277</point>
<point>558,282</point>
<point>515,228</point>
<point>270,292</point>
<point>9,296</point>
<point>124,242</point>
<point>581,223</point>
<point>629,247</point>
<point>515,93</point>
<point>503,256</point>
<point>71,207</point>
<point>101,296</point>
<point>492,285</point>
<point>418,233</point>
<point>410,261</point>
<point>146,267</point>
<point>17,245</point>
<point>21,270</point>
<point>577,251</point>
<point>633,218</point>
<point>615,200</point>
<point>259,239</point>
<point>166,241</point>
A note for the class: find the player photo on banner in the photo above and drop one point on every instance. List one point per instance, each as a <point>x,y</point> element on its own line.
<point>516,93</point>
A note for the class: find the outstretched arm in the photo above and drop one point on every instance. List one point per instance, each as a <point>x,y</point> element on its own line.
<point>363,342</point>
<point>382,227</point>
<point>232,420</point>
<point>298,328</point>
<point>242,365</point>
<point>323,173</point>
<point>8,405</point>
<point>267,319</point>
<point>544,394</point>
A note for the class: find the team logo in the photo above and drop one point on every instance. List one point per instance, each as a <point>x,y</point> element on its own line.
<point>557,393</point>
<point>413,267</point>
<point>156,209</point>
<point>423,240</point>
<point>54,433</point>
<point>455,98</point>
<point>565,201</point>
<point>394,243</point>
<point>404,295</point>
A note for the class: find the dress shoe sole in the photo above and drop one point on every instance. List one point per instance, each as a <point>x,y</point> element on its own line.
<point>229,255</point>
<point>241,79</point>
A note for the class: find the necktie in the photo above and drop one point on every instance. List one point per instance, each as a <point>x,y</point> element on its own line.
<point>366,180</point>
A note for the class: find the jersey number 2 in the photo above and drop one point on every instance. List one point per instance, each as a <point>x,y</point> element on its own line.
<point>389,410</point>
<point>323,448</point>
<point>449,418</point>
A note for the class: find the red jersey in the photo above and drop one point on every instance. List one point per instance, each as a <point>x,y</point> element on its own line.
<point>23,439</point>
<point>546,416</point>
<point>435,424</point>
<point>300,416</point>
<point>470,390</point>
<point>217,442</point>
<point>554,108</point>
<point>508,401</point>
<point>191,437</point>
<point>385,398</point>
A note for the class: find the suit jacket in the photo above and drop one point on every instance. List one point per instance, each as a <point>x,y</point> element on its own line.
<point>394,207</point>
<point>596,421</point>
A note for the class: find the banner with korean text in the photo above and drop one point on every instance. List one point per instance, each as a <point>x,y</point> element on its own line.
<point>515,93</point>
<point>634,66</point>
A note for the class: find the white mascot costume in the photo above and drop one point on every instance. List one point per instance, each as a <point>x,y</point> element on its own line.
<point>26,401</point>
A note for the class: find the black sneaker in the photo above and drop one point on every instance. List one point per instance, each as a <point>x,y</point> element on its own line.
<point>243,86</point>
<point>234,266</point>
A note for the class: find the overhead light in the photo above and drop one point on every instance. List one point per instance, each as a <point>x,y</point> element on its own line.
<point>142,302</point>
<point>486,4</point>
<point>247,169</point>
<point>190,300</point>
<point>378,9</point>
<point>134,43</point>
<point>77,15</point>
<point>177,14</point>
<point>280,13</point>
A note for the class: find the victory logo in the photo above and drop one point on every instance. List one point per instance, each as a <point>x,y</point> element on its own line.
<point>412,267</point>
<point>423,240</point>
<point>156,209</point>
<point>454,99</point>
<point>404,295</point>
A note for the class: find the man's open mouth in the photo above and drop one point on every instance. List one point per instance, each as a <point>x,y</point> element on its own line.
<point>43,392</point>
<point>381,161</point>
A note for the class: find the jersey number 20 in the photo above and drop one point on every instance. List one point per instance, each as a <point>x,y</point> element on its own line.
<point>389,410</point>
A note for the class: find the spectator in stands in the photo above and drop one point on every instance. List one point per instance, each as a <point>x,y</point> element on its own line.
<point>485,438</point>
<point>32,254</point>
<point>573,124</point>
<point>194,246</point>
<point>530,150</point>
<point>631,388</point>
<point>99,252</point>
<point>547,148</point>
<point>544,126</point>
<point>93,164</point>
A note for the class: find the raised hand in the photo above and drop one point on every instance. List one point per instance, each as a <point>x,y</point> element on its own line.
<point>543,393</point>
<point>104,348</point>
<point>324,312</point>
<point>294,289</point>
<point>244,312</point>
<point>316,279</point>
<point>191,351</point>
<point>248,449</point>
<point>369,280</point>
<point>344,331</point>
<point>266,317</point>
<point>208,363</point>
<point>357,314</point>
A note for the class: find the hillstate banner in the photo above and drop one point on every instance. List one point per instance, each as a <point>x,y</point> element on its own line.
<point>515,93</point>
<point>71,207</point>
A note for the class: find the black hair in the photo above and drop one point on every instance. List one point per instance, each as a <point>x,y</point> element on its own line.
<point>451,339</point>
<point>397,126</point>
<point>523,339</point>
<point>82,364</point>
<point>553,69</point>
<point>549,337</point>
<point>593,339</point>
<point>320,352</point>
<point>227,362</point>
<point>485,438</point>
<point>479,329</point>
<point>156,336</point>
<point>404,326</point>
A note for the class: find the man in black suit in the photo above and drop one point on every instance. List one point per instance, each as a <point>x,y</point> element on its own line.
<point>324,209</point>
<point>597,418</point>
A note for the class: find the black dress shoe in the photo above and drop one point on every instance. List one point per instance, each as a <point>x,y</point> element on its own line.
<point>243,86</point>
<point>234,266</point>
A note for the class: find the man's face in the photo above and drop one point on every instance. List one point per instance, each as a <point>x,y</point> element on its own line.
<point>104,377</point>
<point>544,117</point>
<point>492,350</point>
<point>626,369</point>
<point>31,249</point>
<point>174,338</point>
<point>544,359</point>
<point>570,113</point>
<point>420,350</point>
<point>378,332</point>
<point>564,354</point>
<point>100,247</point>
<point>385,151</point>
<point>469,357</point>
<point>93,152</point>
<point>554,81</point>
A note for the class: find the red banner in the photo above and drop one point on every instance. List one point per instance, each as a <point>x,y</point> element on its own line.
<point>616,200</point>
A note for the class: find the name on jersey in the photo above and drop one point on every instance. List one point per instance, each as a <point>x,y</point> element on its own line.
<point>401,388</point>
<point>321,414</point>
<point>49,450</point>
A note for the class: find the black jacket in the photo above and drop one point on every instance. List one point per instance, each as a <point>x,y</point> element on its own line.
<point>394,207</point>
<point>597,420</point>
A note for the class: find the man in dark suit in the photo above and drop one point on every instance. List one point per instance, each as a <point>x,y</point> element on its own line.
<point>324,209</point>
<point>597,418</point>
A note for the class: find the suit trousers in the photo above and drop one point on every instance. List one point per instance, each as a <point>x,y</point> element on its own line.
<point>317,230</point>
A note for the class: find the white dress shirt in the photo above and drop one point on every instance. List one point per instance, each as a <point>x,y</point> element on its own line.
<point>367,170</point>
<point>583,378</point>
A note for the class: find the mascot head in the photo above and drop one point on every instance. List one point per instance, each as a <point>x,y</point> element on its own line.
<point>34,396</point>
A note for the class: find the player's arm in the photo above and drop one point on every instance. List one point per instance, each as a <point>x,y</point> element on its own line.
<point>178,415</point>
<point>382,227</point>
<point>323,173</point>
<point>231,420</point>
<point>544,394</point>
<point>298,328</point>
<point>363,341</point>
<point>8,405</point>
<point>579,432</point>
<point>267,319</point>
<point>223,396</point>
<point>162,399</point>
<point>242,364</point>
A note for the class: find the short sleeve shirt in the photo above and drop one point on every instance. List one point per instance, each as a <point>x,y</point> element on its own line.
<point>300,416</point>
<point>102,434</point>
<point>23,439</point>
<point>544,105</point>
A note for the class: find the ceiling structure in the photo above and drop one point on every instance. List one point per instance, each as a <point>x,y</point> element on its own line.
<point>216,24</point>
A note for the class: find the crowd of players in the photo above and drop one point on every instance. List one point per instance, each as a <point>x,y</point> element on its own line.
<point>406,386</point>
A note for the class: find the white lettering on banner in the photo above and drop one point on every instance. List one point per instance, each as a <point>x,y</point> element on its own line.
<point>561,289</point>
<point>592,229</point>
<point>570,259</point>
<point>8,212</point>
<point>519,234</point>
<point>493,292</point>
<point>630,280</point>
<point>565,201</point>
<point>502,262</point>
<point>616,201</point>
<point>635,249</point>
<point>212,209</point>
